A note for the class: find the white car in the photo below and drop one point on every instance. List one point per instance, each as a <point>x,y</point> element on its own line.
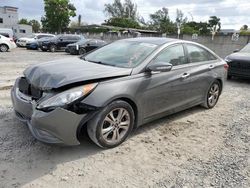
<point>6,44</point>
<point>21,42</point>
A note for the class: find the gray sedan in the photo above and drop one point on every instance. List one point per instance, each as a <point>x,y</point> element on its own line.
<point>116,88</point>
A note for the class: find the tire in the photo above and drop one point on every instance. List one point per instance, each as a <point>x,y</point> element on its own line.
<point>212,95</point>
<point>115,133</point>
<point>44,50</point>
<point>82,51</point>
<point>4,48</point>
<point>52,48</point>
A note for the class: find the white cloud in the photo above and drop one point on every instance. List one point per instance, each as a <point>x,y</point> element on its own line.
<point>233,13</point>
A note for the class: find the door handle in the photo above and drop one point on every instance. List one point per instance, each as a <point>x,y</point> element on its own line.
<point>185,75</point>
<point>211,67</point>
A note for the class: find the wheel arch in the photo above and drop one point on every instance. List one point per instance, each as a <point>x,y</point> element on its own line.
<point>5,45</point>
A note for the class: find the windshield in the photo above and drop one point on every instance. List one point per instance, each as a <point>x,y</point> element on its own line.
<point>122,53</point>
<point>246,49</point>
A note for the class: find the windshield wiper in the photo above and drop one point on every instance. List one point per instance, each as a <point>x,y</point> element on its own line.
<point>99,62</point>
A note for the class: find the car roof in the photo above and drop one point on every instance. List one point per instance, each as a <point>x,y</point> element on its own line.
<point>152,40</point>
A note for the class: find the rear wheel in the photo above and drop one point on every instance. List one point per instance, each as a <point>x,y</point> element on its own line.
<point>213,95</point>
<point>82,51</point>
<point>4,48</point>
<point>112,125</point>
<point>52,48</point>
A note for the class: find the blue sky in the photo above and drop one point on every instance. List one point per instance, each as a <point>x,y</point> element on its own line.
<point>233,13</point>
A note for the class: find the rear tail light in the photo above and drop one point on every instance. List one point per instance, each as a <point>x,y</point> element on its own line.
<point>226,66</point>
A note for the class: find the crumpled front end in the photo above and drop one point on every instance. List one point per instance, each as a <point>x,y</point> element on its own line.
<point>57,126</point>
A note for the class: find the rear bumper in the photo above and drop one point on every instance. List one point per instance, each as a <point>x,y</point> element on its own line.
<point>59,126</point>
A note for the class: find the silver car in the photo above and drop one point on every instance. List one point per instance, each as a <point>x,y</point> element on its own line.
<point>116,88</point>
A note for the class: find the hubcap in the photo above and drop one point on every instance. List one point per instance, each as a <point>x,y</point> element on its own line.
<point>115,125</point>
<point>213,94</point>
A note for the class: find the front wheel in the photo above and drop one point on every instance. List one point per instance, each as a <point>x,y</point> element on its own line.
<point>213,95</point>
<point>112,125</point>
<point>4,48</point>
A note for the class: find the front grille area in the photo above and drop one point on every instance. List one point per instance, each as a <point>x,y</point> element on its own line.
<point>240,65</point>
<point>28,89</point>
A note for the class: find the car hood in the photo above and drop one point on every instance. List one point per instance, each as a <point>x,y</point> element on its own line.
<point>55,74</point>
<point>239,56</point>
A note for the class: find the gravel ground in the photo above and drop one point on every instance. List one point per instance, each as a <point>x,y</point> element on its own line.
<point>194,148</point>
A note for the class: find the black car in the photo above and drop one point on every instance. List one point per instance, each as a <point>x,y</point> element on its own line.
<point>84,46</point>
<point>59,42</point>
<point>239,63</point>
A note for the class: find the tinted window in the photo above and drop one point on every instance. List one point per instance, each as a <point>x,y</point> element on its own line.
<point>174,55</point>
<point>76,38</point>
<point>1,20</point>
<point>5,34</point>
<point>198,54</point>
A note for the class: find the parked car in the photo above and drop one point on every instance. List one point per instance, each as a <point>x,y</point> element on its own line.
<point>6,44</point>
<point>83,46</point>
<point>21,42</point>
<point>59,42</point>
<point>8,33</point>
<point>116,88</point>
<point>34,45</point>
<point>239,63</point>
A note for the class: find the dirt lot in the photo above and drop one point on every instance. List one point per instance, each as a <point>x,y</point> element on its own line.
<point>194,148</point>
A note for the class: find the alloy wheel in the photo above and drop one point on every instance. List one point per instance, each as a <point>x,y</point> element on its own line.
<point>214,94</point>
<point>115,125</point>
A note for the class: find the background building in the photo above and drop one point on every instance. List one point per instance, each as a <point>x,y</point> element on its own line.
<point>9,19</point>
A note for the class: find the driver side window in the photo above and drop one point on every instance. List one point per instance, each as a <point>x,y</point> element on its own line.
<point>174,55</point>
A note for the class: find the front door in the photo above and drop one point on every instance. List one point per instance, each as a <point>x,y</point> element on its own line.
<point>166,92</point>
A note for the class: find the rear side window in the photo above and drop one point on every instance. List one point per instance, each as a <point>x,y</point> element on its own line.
<point>75,38</point>
<point>198,54</point>
<point>174,55</point>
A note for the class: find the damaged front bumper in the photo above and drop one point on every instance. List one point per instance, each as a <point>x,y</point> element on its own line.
<point>59,126</point>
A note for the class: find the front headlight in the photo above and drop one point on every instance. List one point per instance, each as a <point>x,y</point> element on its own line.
<point>67,97</point>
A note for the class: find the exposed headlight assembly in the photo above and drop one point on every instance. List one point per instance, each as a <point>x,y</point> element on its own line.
<point>67,97</point>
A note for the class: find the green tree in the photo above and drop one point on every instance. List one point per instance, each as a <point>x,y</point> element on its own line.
<point>123,22</point>
<point>214,25</point>
<point>244,28</point>
<point>200,28</point>
<point>122,14</point>
<point>160,20</point>
<point>57,15</point>
<point>23,21</point>
<point>35,25</point>
<point>117,9</point>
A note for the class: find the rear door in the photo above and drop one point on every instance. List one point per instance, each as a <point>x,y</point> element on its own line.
<point>202,65</point>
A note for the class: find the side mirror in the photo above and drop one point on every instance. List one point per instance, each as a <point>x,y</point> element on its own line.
<point>160,67</point>
<point>237,50</point>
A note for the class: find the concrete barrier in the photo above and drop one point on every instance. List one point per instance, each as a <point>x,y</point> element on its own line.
<point>221,45</point>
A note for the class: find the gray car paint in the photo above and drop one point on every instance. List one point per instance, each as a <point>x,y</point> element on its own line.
<point>153,95</point>
<point>55,74</point>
